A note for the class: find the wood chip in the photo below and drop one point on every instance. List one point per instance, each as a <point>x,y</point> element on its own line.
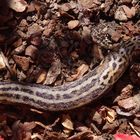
<point>89,4</point>
<point>73,24</point>
<point>128,103</point>
<point>17,5</point>
<point>35,28</point>
<point>123,13</point>
<point>50,26</point>
<point>20,49</point>
<point>31,51</point>
<point>22,61</point>
<point>115,36</point>
<point>65,7</point>
<point>36,40</point>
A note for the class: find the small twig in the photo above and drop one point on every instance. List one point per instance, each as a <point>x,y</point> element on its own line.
<point>42,125</point>
<point>35,136</point>
<point>132,127</point>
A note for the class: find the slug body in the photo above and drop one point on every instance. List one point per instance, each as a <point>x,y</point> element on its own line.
<point>74,94</point>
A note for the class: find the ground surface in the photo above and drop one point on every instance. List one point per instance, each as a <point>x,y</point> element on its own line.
<point>52,42</point>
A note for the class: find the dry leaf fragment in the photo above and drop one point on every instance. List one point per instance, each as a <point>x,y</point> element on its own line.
<point>108,114</point>
<point>111,114</point>
<point>4,60</point>
<point>53,72</point>
<point>67,122</point>
<point>41,77</point>
<point>127,90</point>
<point>73,24</point>
<point>17,5</point>
<point>80,72</point>
<point>2,63</point>
<point>97,118</point>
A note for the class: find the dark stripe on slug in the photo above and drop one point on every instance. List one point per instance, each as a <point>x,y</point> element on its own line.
<point>111,80</point>
<point>5,89</point>
<point>106,76</point>
<point>120,60</point>
<point>10,95</point>
<point>6,95</point>
<point>17,96</point>
<point>130,43</point>
<point>45,95</point>
<point>25,99</point>
<point>26,90</point>
<point>9,88</point>
<point>42,104</point>
<point>67,96</point>
<point>58,97</point>
<point>83,89</point>
<point>75,92</point>
<point>114,56</point>
<point>28,100</point>
<point>114,65</point>
<point>17,89</point>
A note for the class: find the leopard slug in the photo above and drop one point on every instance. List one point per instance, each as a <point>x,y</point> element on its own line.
<point>75,94</point>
